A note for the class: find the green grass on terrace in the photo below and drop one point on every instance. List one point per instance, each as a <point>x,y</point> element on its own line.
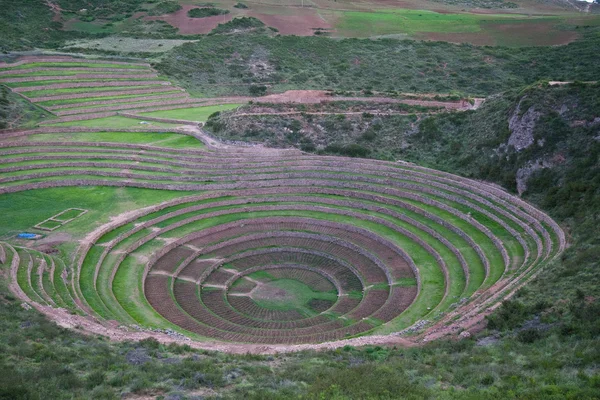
<point>71,65</point>
<point>75,102</point>
<point>296,296</point>
<point>91,90</point>
<point>67,72</point>
<point>191,114</point>
<point>170,140</point>
<point>78,80</point>
<point>131,104</point>
<point>33,206</point>
<point>116,122</point>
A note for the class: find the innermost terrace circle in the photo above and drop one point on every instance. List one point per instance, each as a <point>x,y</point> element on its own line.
<point>290,294</point>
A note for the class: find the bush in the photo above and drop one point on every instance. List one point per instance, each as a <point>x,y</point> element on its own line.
<point>529,335</point>
<point>165,7</point>
<point>241,6</point>
<point>509,315</point>
<point>206,12</point>
<point>257,90</point>
<point>351,150</point>
<point>243,23</point>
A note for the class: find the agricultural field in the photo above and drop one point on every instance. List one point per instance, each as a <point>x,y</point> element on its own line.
<point>248,246</point>
<point>299,199</point>
<point>75,24</point>
<point>86,90</point>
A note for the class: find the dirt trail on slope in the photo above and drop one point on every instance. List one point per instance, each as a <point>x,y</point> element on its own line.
<point>322,96</point>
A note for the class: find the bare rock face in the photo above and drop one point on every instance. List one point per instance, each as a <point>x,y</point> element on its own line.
<point>525,172</point>
<point>521,127</point>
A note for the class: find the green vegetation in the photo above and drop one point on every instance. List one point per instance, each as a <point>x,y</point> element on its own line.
<point>495,4</point>
<point>217,65</point>
<point>539,141</point>
<point>91,90</point>
<point>115,122</point>
<point>113,10</point>
<point>41,360</point>
<point>238,25</point>
<point>101,202</point>
<point>558,171</point>
<point>364,24</point>
<point>296,296</point>
<point>86,99</point>
<point>206,12</point>
<point>168,140</point>
<point>165,7</point>
<point>16,112</point>
<point>75,64</point>
<point>190,114</point>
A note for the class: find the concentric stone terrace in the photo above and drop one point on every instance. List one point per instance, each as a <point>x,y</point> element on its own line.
<point>276,246</point>
<point>266,246</point>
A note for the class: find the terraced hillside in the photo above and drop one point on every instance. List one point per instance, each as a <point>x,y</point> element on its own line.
<point>273,247</point>
<point>76,89</point>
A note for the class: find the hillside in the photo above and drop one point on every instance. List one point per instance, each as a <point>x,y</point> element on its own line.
<point>218,65</point>
<point>541,141</point>
<point>325,200</point>
<point>547,317</point>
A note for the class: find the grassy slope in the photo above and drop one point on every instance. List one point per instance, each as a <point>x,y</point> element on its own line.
<point>16,112</point>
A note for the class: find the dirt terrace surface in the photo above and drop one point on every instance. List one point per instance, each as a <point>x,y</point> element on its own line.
<point>302,23</point>
<point>191,26</point>
<point>322,96</point>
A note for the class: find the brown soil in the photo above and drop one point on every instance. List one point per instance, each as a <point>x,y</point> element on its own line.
<point>300,25</point>
<point>266,291</point>
<point>191,26</point>
<point>320,96</point>
<point>296,96</point>
<point>511,34</point>
<point>56,10</point>
<point>534,34</point>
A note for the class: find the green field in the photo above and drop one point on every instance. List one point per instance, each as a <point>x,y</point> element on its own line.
<point>115,123</point>
<point>353,23</point>
<point>297,296</point>
<point>168,140</point>
<point>191,114</point>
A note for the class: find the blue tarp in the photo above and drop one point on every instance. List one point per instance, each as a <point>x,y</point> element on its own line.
<point>26,235</point>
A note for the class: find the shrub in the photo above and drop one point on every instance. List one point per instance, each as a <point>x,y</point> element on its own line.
<point>508,316</point>
<point>351,150</point>
<point>236,24</point>
<point>257,90</point>
<point>165,7</point>
<point>529,335</point>
<point>241,5</point>
<point>206,12</point>
<point>369,135</point>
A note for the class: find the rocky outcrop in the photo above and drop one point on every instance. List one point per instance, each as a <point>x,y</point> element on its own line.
<point>526,171</point>
<point>521,127</point>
